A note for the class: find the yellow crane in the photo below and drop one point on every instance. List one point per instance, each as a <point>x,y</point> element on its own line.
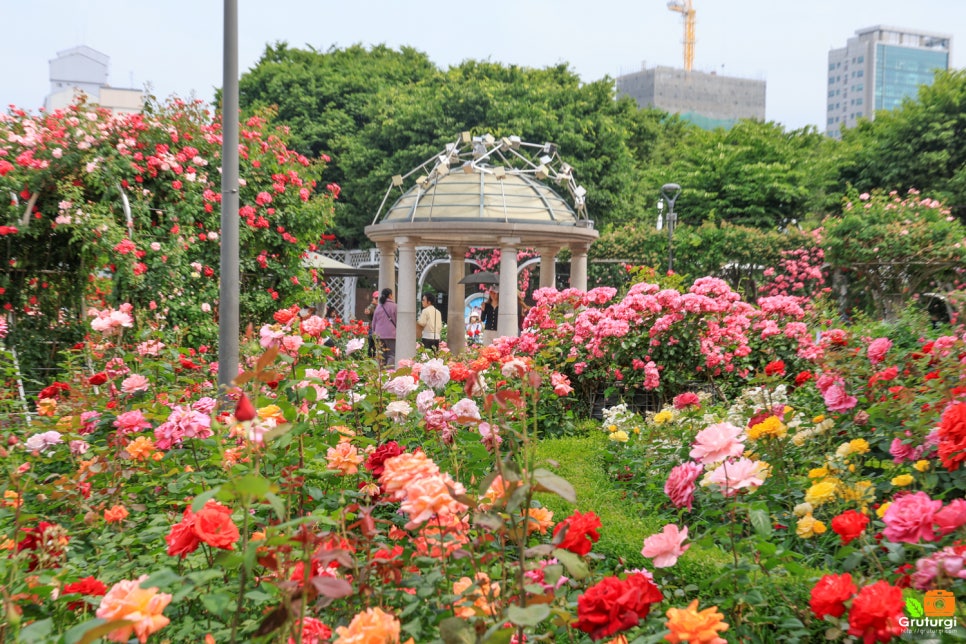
<point>685,8</point>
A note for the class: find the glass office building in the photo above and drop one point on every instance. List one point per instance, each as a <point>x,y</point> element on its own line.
<point>877,69</point>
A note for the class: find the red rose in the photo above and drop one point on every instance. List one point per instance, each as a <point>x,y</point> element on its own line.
<point>830,594</point>
<point>376,460</point>
<point>182,538</point>
<point>776,367</point>
<point>214,526</point>
<point>802,378</point>
<point>244,410</point>
<point>581,534</point>
<point>89,586</point>
<point>53,391</point>
<point>613,605</point>
<point>952,436</point>
<point>97,379</point>
<point>876,611</point>
<point>849,525</point>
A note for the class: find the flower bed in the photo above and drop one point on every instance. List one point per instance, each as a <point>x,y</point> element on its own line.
<point>331,501</point>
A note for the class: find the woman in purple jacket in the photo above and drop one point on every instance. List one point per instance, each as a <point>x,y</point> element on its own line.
<point>384,328</point>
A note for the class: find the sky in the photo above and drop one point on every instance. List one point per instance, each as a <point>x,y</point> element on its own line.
<point>175,47</point>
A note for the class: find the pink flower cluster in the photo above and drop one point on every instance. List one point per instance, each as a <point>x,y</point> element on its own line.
<point>423,490</point>
<point>915,517</point>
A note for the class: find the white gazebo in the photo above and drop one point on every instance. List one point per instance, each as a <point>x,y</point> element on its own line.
<point>480,192</point>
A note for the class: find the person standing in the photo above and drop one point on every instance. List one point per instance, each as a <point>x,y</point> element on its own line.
<point>384,328</point>
<point>490,315</point>
<point>369,312</point>
<point>430,323</point>
<point>522,309</point>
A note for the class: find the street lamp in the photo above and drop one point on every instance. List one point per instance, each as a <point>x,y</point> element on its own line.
<point>669,192</point>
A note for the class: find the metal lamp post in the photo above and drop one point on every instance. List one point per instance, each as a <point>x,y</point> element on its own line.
<point>669,192</point>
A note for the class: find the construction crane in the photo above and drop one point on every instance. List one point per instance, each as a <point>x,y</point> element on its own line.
<point>685,8</point>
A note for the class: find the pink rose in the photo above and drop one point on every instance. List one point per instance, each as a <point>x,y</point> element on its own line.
<point>878,349</point>
<point>665,547</point>
<point>837,400</point>
<point>910,518</point>
<point>680,484</point>
<point>717,442</point>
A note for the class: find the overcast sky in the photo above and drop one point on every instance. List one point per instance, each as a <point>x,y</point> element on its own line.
<point>175,46</point>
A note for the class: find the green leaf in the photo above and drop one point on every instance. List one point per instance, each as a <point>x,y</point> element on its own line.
<point>547,481</point>
<point>92,630</point>
<point>37,631</point>
<point>163,578</point>
<point>530,616</point>
<point>574,564</point>
<point>203,498</point>
<point>218,603</point>
<point>914,607</point>
<point>761,522</point>
<point>454,630</point>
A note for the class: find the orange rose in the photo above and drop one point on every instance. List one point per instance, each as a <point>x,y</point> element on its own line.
<point>373,626</point>
<point>214,526</point>
<point>143,606</point>
<point>115,514</point>
<point>690,625</point>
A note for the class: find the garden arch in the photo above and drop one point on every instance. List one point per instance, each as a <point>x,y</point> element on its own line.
<point>480,192</point>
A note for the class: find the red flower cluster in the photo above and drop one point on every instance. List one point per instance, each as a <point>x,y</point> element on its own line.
<point>952,436</point>
<point>581,532</point>
<point>212,525</point>
<point>830,594</point>
<point>775,368</point>
<point>89,586</point>
<point>376,460</point>
<point>875,613</point>
<point>53,390</point>
<point>613,605</point>
<point>849,525</point>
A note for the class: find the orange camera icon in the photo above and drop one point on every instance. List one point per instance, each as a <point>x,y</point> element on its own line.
<point>939,603</point>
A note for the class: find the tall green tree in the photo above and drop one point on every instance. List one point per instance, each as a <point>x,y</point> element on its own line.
<point>921,145</point>
<point>755,174</point>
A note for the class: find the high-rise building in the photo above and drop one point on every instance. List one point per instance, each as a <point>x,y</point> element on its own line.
<point>877,69</point>
<point>82,70</point>
<point>708,100</point>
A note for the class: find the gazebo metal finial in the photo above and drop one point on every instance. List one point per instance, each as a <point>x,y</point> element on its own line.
<point>485,155</point>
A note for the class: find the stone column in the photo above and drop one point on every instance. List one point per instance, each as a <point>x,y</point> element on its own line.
<point>548,266</point>
<point>455,309</point>
<point>507,323</point>
<point>387,265</point>
<point>406,300</point>
<point>578,265</point>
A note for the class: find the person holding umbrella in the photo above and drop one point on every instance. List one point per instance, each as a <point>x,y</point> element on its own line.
<point>490,315</point>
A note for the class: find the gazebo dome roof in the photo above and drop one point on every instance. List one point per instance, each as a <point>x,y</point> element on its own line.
<point>478,197</point>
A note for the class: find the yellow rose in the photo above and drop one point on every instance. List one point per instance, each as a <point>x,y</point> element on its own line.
<point>619,436</point>
<point>663,416</point>
<point>821,492</point>
<point>859,445</point>
<point>921,466</point>
<point>903,480</point>
<point>818,473</point>
<point>808,527</point>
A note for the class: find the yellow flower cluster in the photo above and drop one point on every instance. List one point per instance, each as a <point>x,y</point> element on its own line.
<point>822,492</point>
<point>808,527</point>
<point>855,446</point>
<point>663,416</point>
<point>771,427</point>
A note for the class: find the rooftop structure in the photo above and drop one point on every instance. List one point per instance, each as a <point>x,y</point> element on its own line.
<point>708,100</point>
<point>877,69</point>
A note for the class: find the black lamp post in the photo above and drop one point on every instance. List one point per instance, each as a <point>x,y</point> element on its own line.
<point>670,192</point>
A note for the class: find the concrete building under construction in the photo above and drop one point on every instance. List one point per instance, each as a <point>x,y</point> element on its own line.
<point>708,100</point>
